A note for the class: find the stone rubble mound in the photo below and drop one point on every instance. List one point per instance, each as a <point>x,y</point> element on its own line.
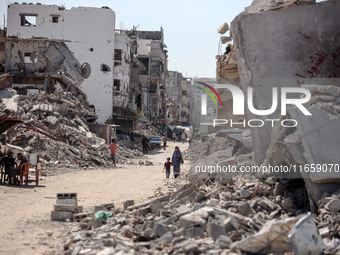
<point>55,128</point>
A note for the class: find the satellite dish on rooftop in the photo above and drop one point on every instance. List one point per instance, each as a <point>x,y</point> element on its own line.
<point>85,70</point>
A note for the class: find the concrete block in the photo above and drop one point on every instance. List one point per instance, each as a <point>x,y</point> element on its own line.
<point>245,193</point>
<point>182,210</point>
<point>223,242</point>
<point>194,232</point>
<point>61,216</point>
<point>200,196</point>
<point>128,203</point>
<point>67,201</point>
<point>167,237</point>
<point>244,209</point>
<point>79,216</point>
<point>231,224</point>
<point>155,205</point>
<point>333,205</point>
<point>142,211</point>
<point>215,229</point>
<point>68,208</point>
<point>160,229</point>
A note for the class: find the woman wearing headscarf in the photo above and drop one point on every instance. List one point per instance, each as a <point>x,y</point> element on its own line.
<point>177,160</point>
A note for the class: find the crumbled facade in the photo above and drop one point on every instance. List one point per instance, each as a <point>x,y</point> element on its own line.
<point>92,44</point>
<point>151,52</point>
<point>185,106</point>
<point>174,89</point>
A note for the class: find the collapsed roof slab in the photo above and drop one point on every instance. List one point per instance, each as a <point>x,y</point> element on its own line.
<point>286,48</point>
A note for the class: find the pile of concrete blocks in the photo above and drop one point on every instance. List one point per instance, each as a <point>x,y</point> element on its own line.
<point>88,220</point>
<point>66,207</point>
<point>202,217</point>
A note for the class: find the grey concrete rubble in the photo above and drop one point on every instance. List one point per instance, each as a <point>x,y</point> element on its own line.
<point>57,122</point>
<point>313,142</point>
<point>223,222</point>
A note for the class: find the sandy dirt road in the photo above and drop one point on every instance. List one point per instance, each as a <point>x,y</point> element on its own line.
<point>25,211</point>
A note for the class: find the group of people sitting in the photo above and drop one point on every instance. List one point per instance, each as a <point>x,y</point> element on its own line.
<point>11,167</point>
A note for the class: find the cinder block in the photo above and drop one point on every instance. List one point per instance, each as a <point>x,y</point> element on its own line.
<point>68,208</point>
<point>79,216</point>
<point>67,201</point>
<point>61,216</point>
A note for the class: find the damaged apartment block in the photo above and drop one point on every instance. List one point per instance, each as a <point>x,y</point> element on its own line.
<point>36,65</point>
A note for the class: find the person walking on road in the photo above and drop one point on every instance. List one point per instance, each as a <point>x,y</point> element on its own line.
<point>145,143</point>
<point>177,160</point>
<point>183,137</point>
<point>113,148</point>
<point>174,136</point>
<point>167,166</point>
<point>164,143</point>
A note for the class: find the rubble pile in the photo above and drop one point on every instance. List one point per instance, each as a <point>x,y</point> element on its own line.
<point>55,128</point>
<point>216,149</point>
<point>301,147</point>
<point>245,215</point>
<point>148,131</point>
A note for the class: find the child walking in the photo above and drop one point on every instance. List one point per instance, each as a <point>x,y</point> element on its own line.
<point>113,149</point>
<point>167,166</point>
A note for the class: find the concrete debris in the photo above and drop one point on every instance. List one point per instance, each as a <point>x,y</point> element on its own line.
<point>313,140</point>
<point>66,207</point>
<point>57,122</point>
<point>265,5</point>
<point>176,222</point>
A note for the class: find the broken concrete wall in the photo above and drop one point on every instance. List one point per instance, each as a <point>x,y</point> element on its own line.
<point>25,56</point>
<point>41,56</point>
<point>92,43</point>
<point>286,48</point>
<point>312,146</point>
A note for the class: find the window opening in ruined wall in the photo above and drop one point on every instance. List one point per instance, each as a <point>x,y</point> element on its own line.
<point>55,19</point>
<point>28,20</point>
<point>116,85</point>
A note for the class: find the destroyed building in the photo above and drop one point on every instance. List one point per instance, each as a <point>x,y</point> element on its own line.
<point>127,88</point>
<point>227,72</point>
<point>151,52</point>
<point>92,44</point>
<point>174,88</point>
<point>306,57</point>
<point>185,105</point>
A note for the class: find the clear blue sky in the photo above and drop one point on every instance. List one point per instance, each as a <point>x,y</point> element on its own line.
<point>189,26</point>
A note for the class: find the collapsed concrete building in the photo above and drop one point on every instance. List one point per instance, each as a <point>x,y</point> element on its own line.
<point>127,88</point>
<point>151,51</point>
<point>302,38</point>
<point>174,88</point>
<point>93,43</point>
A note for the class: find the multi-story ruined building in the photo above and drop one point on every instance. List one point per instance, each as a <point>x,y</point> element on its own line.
<point>127,88</point>
<point>174,90</point>
<point>151,52</point>
<point>185,106</point>
<point>89,34</point>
